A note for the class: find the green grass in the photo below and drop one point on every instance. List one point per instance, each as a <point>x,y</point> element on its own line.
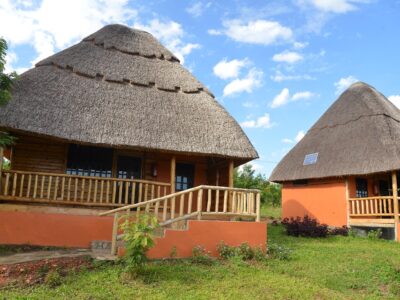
<point>271,211</point>
<point>332,268</point>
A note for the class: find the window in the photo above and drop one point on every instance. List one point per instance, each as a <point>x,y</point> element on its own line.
<point>300,182</point>
<point>89,161</point>
<point>184,177</point>
<point>361,188</point>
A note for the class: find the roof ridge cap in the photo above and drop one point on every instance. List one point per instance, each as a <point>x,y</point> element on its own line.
<point>113,48</point>
<point>101,77</point>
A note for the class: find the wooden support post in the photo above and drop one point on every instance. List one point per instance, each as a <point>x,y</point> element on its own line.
<point>173,174</point>
<point>114,234</point>
<point>230,184</point>
<point>258,207</point>
<point>1,164</point>
<point>231,167</point>
<point>395,205</point>
<point>347,202</point>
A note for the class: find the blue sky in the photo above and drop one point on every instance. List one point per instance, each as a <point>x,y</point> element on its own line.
<point>276,66</point>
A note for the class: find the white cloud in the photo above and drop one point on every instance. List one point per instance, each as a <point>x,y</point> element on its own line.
<point>281,99</point>
<point>289,57</point>
<point>252,80</point>
<point>170,33</point>
<point>287,141</point>
<point>229,69</point>
<point>279,77</point>
<point>299,45</point>
<point>197,9</point>
<point>344,83</point>
<point>57,24</point>
<point>335,6</point>
<point>261,32</point>
<point>299,136</point>
<point>302,95</point>
<point>395,99</point>
<point>11,58</point>
<point>261,122</point>
<point>214,32</point>
<point>284,97</point>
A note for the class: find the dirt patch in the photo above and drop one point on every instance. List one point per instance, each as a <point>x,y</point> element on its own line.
<point>34,272</point>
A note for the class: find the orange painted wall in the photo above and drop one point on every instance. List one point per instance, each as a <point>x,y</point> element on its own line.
<point>208,234</point>
<point>63,230</point>
<point>323,200</point>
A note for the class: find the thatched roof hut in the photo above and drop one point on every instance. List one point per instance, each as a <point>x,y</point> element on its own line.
<point>120,87</point>
<point>359,134</point>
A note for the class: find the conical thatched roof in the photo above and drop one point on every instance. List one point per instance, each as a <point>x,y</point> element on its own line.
<point>121,87</point>
<point>359,134</point>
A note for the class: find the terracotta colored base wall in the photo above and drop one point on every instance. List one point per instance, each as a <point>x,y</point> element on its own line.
<point>45,229</point>
<point>326,202</point>
<point>208,234</point>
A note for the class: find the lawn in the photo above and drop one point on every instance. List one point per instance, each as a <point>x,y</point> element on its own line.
<point>332,268</point>
<point>272,212</point>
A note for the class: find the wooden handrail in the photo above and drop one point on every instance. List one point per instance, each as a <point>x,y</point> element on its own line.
<point>65,189</point>
<point>218,202</point>
<point>87,177</point>
<point>379,206</point>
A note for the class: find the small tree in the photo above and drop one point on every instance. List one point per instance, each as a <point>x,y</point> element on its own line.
<point>139,238</point>
<point>248,179</point>
<point>6,83</point>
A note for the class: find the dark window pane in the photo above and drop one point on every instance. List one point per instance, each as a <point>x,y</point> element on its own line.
<point>361,188</point>
<point>184,176</point>
<point>89,161</point>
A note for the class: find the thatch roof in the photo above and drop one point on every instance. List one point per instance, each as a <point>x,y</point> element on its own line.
<point>359,134</point>
<point>121,87</point>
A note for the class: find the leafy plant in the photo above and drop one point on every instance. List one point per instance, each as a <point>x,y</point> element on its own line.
<point>201,256</point>
<point>243,252</point>
<point>6,84</point>
<point>53,279</point>
<point>139,238</point>
<point>374,234</point>
<point>306,227</point>
<point>173,253</point>
<point>248,179</point>
<point>344,231</point>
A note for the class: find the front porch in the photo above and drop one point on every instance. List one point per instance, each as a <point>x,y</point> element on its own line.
<point>381,210</point>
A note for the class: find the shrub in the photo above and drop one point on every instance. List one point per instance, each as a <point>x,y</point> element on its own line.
<point>201,256</point>
<point>374,234</point>
<point>139,238</point>
<point>243,252</point>
<point>344,231</point>
<point>278,252</point>
<point>306,227</point>
<point>53,279</point>
<point>173,253</point>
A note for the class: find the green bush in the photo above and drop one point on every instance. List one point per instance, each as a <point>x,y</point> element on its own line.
<point>374,234</point>
<point>139,238</point>
<point>243,252</point>
<point>201,256</point>
<point>53,279</point>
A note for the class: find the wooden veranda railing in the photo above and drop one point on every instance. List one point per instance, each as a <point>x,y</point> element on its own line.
<point>194,203</point>
<point>372,207</point>
<point>52,188</point>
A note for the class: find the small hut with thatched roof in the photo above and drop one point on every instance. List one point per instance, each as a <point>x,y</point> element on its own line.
<point>116,120</point>
<point>345,170</point>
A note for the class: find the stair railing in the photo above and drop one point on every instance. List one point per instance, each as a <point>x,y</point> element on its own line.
<point>198,202</point>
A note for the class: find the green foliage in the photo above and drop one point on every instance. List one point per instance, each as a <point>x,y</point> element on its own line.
<point>6,84</point>
<point>173,253</point>
<point>244,252</point>
<point>201,256</point>
<point>139,238</point>
<point>248,179</point>
<point>374,234</point>
<point>53,279</point>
